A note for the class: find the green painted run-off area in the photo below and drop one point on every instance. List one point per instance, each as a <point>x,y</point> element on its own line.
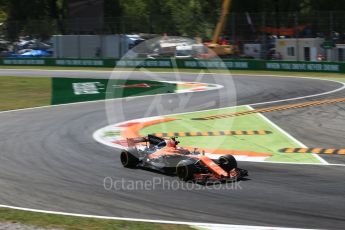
<point>69,90</point>
<point>270,143</point>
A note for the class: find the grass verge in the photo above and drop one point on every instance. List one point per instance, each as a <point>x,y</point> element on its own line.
<point>78,223</point>
<point>24,92</point>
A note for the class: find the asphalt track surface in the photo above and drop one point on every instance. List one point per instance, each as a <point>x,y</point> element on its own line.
<point>50,161</point>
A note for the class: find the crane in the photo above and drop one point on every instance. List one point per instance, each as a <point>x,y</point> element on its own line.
<point>221,50</point>
<point>221,22</point>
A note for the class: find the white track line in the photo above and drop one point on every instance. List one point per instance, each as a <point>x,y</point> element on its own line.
<point>299,163</point>
<point>195,224</point>
<point>288,135</point>
<point>278,128</point>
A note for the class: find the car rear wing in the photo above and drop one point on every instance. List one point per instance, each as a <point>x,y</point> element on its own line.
<point>154,140</point>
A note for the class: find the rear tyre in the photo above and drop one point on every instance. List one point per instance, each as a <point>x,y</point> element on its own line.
<point>185,170</point>
<point>128,160</point>
<point>227,162</point>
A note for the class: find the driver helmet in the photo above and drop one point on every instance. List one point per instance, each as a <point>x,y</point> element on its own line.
<point>171,143</point>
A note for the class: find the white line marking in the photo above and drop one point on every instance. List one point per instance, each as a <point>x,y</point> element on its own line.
<point>288,135</point>
<point>209,225</point>
<point>304,97</point>
<point>300,163</point>
<point>278,128</point>
<point>320,158</point>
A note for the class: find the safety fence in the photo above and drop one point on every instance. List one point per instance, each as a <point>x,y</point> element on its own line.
<point>233,64</point>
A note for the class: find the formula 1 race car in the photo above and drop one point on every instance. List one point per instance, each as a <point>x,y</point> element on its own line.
<point>164,155</point>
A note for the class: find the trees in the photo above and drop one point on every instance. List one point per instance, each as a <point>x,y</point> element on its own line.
<point>36,17</point>
<point>178,17</point>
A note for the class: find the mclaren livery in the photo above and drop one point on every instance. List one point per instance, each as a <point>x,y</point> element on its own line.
<point>166,156</point>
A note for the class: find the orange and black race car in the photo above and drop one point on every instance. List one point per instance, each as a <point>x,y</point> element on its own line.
<point>164,155</point>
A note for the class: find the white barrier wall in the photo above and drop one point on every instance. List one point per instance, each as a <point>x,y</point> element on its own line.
<point>66,47</point>
<point>299,49</point>
<point>114,46</point>
<point>89,46</point>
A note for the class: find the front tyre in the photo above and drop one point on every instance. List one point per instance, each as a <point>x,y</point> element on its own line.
<point>128,160</point>
<point>185,170</point>
<point>227,162</point>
